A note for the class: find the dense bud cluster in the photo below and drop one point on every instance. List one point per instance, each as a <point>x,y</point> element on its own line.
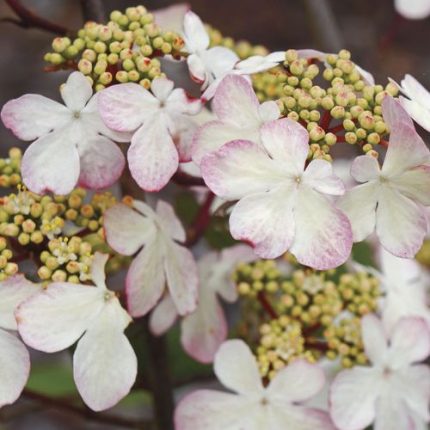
<point>7,267</point>
<point>10,168</point>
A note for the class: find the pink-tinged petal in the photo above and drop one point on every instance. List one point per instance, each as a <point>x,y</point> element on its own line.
<point>413,9</point>
<point>215,410</point>
<point>152,157</point>
<point>125,107</point>
<point>415,184</point>
<point>374,338</point>
<point>266,220</point>
<point>418,112</point>
<point>76,91</point>
<point>182,277</point>
<point>163,316</point>
<point>287,141</point>
<point>104,363</point>
<point>319,175</point>
<point>171,18</point>
<point>308,54</point>
<point>214,134</point>
<point>14,368</point>
<point>102,162</point>
<point>353,397</point>
<point>161,88</point>
<point>13,291</point>
<point>205,329</point>
<point>197,69</point>
<point>51,163</point>
<point>235,102</point>
<point>323,237</point>
<point>392,413</point>
<point>368,78</point>
<point>365,168</point>
<point>145,281</point>
<point>179,102</point>
<point>236,368</point>
<point>394,114</point>
<point>219,60</point>
<point>297,382</point>
<point>98,274</point>
<point>409,341</point>
<point>240,168</point>
<point>401,224</point>
<point>259,63</point>
<point>32,116</point>
<point>287,416</point>
<point>126,230</point>
<point>415,91</point>
<point>170,222</point>
<point>269,111</point>
<point>196,37</point>
<point>359,204</point>
<point>56,318</point>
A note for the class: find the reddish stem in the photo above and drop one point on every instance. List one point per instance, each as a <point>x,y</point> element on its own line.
<point>266,305</point>
<point>383,143</point>
<point>181,178</point>
<point>325,120</point>
<point>335,129</point>
<point>317,344</point>
<point>201,221</point>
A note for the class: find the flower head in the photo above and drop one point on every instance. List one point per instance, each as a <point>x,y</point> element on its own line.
<point>72,144</point>
<point>104,363</point>
<point>413,9</point>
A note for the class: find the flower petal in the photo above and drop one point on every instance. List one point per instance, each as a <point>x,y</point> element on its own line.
<point>319,175</point>
<point>104,363</point>
<point>298,418</point>
<point>413,9</point>
<point>196,37</point>
<point>14,368</point>
<point>323,237</point>
<point>152,157</point>
<point>125,107</point>
<point>266,220</point>
<point>56,318</point>
<point>32,116</point>
<point>236,368</point>
<point>240,168</point>
<point>415,91</point>
<point>171,18</point>
<point>374,338</point>
<point>76,91</point>
<point>197,69</point>
<point>417,111</point>
<point>401,224</point>
<point>365,168</point>
<point>415,184</point>
<point>219,60</point>
<point>98,274</point>
<point>102,162</point>
<point>269,111</point>
<point>51,163</point>
<point>170,222</point>
<point>161,88</point>
<point>391,413</point>
<point>394,114</point>
<point>163,316</point>
<point>126,230</point>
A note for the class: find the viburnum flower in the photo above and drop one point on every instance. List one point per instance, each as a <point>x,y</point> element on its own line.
<point>417,105</point>
<point>239,116</point>
<point>413,9</point>
<point>260,63</point>
<point>104,363</point>
<point>72,143</point>
<point>282,205</point>
<point>161,259</point>
<point>392,198</point>
<point>14,357</point>
<point>254,407</point>
<point>157,121</point>
<point>394,392</point>
<point>205,329</point>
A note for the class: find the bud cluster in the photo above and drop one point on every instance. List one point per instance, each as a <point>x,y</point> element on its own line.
<point>7,267</point>
<point>10,168</point>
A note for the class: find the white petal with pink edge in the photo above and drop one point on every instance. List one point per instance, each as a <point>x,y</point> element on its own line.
<point>163,316</point>
<point>365,168</point>
<point>319,176</point>
<point>169,221</point>
<point>76,91</point>
<point>196,37</point>
<point>374,338</point>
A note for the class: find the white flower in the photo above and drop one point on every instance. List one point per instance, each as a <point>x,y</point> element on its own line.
<point>205,329</point>
<point>395,391</point>
<point>104,363</point>
<point>392,198</point>
<point>73,145</point>
<point>254,407</point>
<point>282,205</point>
<point>239,116</point>
<point>413,9</point>
<point>158,121</point>
<point>171,18</point>
<point>14,357</point>
<point>161,260</point>
<point>260,63</point>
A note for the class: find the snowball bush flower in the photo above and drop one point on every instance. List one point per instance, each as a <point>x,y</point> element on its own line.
<point>205,329</point>
<point>391,199</point>
<point>254,407</point>
<point>72,143</point>
<point>282,205</point>
<point>239,116</point>
<point>104,363</point>
<point>14,357</point>
<point>161,260</point>
<point>156,120</point>
<point>394,392</point>
<point>413,9</point>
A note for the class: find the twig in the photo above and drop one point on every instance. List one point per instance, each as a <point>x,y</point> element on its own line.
<point>201,221</point>
<point>93,10</point>
<point>266,305</point>
<point>57,403</point>
<point>28,19</point>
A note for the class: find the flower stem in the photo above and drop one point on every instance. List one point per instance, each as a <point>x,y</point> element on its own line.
<point>201,221</point>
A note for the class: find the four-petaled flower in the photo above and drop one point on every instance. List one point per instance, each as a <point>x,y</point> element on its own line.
<point>254,407</point>
<point>394,392</point>
<point>282,205</point>
<point>73,144</point>
<point>392,198</point>
<point>157,120</point>
<point>161,261</point>
<point>104,363</point>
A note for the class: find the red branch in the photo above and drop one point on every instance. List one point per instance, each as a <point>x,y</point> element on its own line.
<point>29,19</point>
<point>266,305</point>
<point>335,129</point>
<point>383,143</point>
<point>181,178</point>
<point>325,120</point>
<point>201,221</point>
<point>317,345</point>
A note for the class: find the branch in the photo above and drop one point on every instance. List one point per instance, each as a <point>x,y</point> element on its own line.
<point>61,404</point>
<point>201,221</point>
<point>28,19</point>
<point>181,178</point>
<point>93,10</point>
